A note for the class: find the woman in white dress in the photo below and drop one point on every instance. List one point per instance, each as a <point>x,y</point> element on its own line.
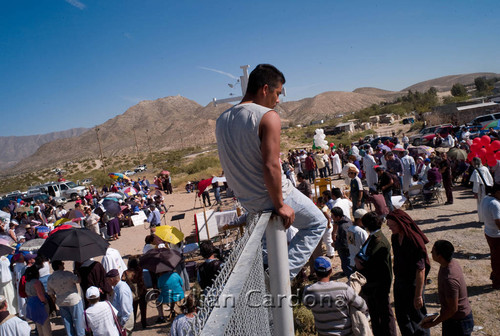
<point>336,163</point>
<point>478,178</point>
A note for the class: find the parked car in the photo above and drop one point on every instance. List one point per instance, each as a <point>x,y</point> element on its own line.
<point>140,168</point>
<point>426,135</point>
<point>128,172</point>
<point>86,181</point>
<point>484,120</point>
<point>383,139</point>
<point>66,189</point>
<point>410,120</point>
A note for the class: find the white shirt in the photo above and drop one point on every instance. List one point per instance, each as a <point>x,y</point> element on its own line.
<point>100,319</point>
<point>490,208</point>
<point>356,236</point>
<point>182,326</point>
<point>344,204</point>
<point>6,274</point>
<point>15,327</point>
<point>113,260</point>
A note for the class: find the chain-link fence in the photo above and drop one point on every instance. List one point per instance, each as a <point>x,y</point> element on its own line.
<point>235,304</point>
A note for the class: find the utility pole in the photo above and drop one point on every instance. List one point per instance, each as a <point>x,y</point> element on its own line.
<point>136,145</point>
<point>100,150</point>
<point>149,147</point>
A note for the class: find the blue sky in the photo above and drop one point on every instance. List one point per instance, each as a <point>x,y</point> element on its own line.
<point>78,63</point>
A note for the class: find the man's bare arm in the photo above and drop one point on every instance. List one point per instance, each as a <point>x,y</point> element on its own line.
<point>269,132</point>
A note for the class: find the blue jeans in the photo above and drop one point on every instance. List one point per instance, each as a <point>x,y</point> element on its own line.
<point>345,262</point>
<point>73,319</point>
<point>217,195</point>
<point>388,200</point>
<point>311,223</point>
<point>461,327</point>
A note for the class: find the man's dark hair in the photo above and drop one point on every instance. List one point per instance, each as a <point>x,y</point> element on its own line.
<point>56,264</point>
<point>31,273</point>
<point>322,274</point>
<point>149,239</point>
<point>207,249</point>
<point>337,193</point>
<point>371,221</point>
<point>133,263</point>
<point>264,74</point>
<point>327,194</point>
<point>300,175</point>
<point>3,304</point>
<point>445,249</point>
<point>337,212</point>
<point>320,200</point>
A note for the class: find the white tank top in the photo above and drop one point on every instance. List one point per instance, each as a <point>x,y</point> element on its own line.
<point>238,141</point>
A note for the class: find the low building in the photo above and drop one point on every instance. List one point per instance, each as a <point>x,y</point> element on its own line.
<point>365,126</point>
<point>387,118</point>
<point>347,127</point>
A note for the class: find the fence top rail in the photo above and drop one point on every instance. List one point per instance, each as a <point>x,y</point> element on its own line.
<point>221,315</point>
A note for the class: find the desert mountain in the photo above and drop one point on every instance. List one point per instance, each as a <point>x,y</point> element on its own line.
<point>386,94</point>
<point>325,106</point>
<point>173,122</point>
<point>445,83</point>
<point>15,148</point>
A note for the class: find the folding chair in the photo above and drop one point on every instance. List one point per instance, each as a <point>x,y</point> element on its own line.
<point>321,184</point>
<point>415,195</point>
<point>436,194</point>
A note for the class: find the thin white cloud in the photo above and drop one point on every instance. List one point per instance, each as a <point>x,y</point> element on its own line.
<point>219,71</point>
<point>76,3</point>
<point>128,36</point>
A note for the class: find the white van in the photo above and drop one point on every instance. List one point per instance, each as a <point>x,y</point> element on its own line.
<point>65,189</point>
<point>483,120</point>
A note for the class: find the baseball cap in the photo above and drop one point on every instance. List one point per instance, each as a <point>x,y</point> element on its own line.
<point>322,264</point>
<point>92,293</point>
<point>359,213</point>
<point>112,273</point>
<point>427,160</point>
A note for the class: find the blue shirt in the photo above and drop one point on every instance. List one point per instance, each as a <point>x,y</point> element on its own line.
<point>171,286</point>
<point>154,217</point>
<point>122,301</point>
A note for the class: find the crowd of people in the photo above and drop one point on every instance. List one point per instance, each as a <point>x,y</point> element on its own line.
<point>248,144</point>
<point>336,228</point>
<point>374,175</point>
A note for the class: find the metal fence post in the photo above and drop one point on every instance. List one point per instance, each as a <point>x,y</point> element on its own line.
<point>279,274</point>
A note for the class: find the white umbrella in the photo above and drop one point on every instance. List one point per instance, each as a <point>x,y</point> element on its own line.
<point>219,179</point>
<point>5,216</point>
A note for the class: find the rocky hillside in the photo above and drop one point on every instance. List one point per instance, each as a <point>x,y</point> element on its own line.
<point>174,122</point>
<point>177,122</point>
<point>325,106</point>
<point>445,83</point>
<point>15,148</point>
<point>385,94</point>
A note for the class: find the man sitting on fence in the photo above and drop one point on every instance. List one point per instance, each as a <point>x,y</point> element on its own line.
<point>331,302</point>
<point>248,140</point>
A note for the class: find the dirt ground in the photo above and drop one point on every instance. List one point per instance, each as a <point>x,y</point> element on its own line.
<point>456,223</point>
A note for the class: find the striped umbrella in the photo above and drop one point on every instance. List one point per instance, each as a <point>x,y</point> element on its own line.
<point>118,176</point>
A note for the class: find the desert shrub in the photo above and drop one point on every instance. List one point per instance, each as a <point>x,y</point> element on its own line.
<point>304,321</point>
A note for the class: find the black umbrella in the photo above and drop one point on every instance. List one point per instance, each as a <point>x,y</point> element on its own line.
<point>160,260</point>
<point>74,244</point>
<point>4,250</point>
<point>112,207</point>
